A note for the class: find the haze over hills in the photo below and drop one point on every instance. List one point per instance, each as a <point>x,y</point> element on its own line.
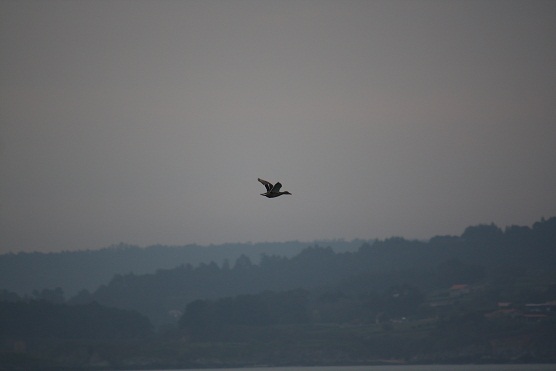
<point>395,298</point>
<point>159,281</point>
<point>481,252</point>
<point>73,271</point>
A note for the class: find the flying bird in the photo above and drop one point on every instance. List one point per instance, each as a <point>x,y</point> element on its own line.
<point>272,190</point>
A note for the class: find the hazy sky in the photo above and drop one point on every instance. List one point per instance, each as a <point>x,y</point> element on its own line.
<point>149,122</point>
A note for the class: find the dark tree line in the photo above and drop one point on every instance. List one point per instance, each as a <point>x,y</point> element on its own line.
<point>40,319</point>
<point>210,319</point>
<point>206,318</point>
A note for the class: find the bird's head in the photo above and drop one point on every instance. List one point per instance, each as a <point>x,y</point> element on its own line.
<point>287,193</point>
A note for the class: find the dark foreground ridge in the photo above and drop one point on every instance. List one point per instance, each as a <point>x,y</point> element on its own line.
<point>487,296</point>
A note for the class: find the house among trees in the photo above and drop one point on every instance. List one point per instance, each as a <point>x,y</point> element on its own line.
<point>536,312</point>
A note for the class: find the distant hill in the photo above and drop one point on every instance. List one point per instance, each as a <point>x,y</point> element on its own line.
<point>73,271</point>
<point>483,251</point>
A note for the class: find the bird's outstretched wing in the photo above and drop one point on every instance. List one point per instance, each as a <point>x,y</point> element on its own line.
<point>267,185</point>
<point>277,187</point>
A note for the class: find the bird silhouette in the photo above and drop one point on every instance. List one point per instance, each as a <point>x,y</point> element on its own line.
<point>272,190</point>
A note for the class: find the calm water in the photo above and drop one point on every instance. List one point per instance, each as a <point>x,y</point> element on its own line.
<point>550,367</point>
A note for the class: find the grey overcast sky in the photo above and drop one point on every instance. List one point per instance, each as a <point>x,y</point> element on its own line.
<point>149,122</point>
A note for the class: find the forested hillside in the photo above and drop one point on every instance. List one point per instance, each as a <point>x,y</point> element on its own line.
<point>73,271</point>
<point>481,253</point>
